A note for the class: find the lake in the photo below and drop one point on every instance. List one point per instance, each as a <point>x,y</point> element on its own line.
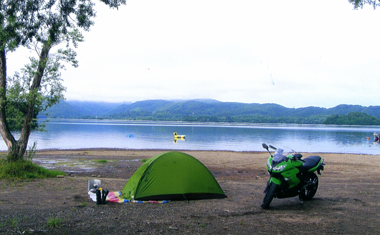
<point>75,134</point>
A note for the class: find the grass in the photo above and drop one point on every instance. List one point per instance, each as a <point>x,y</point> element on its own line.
<point>102,161</point>
<point>144,160</point>
<point>24,169</point>
<point>14,223</point>
<point>54,222</point>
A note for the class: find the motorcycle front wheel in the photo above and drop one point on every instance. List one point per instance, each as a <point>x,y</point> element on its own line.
<point>310,191</point>
<point>269,195</point>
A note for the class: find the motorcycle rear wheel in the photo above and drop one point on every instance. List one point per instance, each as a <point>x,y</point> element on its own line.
<point>269,195</point>
<point>311,190</point>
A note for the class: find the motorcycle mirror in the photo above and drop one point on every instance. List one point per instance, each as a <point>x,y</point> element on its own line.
<point>298,155</point>
<point>272,147</point>
<point>265,146</point>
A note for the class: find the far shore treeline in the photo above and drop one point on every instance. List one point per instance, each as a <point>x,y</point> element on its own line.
<point>215,111</point>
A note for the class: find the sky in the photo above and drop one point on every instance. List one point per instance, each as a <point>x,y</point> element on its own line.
<point>294,53</point>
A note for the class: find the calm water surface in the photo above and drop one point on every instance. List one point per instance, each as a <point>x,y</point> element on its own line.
<point>73,134</point>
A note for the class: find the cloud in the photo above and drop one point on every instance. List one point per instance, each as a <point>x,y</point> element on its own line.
<point>296,54</point>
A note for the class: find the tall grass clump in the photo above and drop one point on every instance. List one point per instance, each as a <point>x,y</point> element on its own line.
<point>25,168</point>
<point>54,222</point>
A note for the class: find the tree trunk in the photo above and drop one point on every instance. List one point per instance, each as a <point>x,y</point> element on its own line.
<point>17,149</point>
<point>4,129</point>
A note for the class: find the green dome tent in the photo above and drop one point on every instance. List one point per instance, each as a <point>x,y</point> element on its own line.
<point>172,176</point>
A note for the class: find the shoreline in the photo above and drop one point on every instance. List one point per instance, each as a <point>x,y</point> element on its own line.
<point>347,199</point>
<point>179,150</point>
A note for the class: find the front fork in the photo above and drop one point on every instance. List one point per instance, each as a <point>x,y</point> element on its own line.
<point>273,180</point>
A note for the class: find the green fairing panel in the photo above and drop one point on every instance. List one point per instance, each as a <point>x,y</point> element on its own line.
<point>171,173</point>
<point>275,181</point>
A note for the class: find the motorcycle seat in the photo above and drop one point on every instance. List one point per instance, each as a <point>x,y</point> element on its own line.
<point>309,163</point>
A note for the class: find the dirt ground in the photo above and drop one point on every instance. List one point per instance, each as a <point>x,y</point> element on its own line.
<point>347,201</point>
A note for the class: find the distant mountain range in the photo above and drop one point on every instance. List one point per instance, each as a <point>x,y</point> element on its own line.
<point>202,110</point>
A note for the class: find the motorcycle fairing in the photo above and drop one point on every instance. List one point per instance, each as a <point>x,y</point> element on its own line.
<point>290,177</point>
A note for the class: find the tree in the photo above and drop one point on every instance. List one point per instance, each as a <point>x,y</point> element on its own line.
<point>44,25</point>
<point>360,3</point>
<point>353,118</point>
<point>50,92</point>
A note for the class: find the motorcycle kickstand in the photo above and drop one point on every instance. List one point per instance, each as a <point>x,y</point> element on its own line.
<point>300,198</point>
<point>301,201</point>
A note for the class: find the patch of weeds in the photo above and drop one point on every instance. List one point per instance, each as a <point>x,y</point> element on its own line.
<point>83,204</point>
<point>31,152</point>
<point>24,169</point>
<point>101,161</point>
<point>54,222</point>
<point>14,222</point>
<point>366,192</point>
<point>202,225</point>
<point>144,160</point>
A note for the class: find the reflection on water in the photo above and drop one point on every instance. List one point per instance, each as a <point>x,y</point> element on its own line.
<point>178,139</point>
<point>72,134</point>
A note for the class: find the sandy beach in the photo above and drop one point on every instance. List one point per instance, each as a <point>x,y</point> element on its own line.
<point>347,201</point>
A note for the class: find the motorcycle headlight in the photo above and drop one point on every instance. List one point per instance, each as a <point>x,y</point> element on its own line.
<point>279,168</point>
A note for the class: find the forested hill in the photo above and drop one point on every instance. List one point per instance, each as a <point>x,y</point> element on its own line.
<point>207,111</point>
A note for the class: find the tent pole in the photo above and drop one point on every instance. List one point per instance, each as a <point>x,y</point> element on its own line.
<point>185,197</point>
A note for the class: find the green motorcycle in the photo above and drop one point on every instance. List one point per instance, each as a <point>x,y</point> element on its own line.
<point>290,175</point>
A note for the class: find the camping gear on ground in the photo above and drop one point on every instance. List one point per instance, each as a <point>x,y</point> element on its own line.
<point>104,196</point>
<point>98,197</point>
<point>290,175</point>
<point>101,196</point>
<point>117,197</point>
<point>93,184</point>
<point>172,176</point>
<point>97,193</point>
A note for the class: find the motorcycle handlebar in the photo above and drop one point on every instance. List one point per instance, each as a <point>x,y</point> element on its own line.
<point>298,156</point>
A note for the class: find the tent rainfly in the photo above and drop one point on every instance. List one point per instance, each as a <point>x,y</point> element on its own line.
<point>172,176</point>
